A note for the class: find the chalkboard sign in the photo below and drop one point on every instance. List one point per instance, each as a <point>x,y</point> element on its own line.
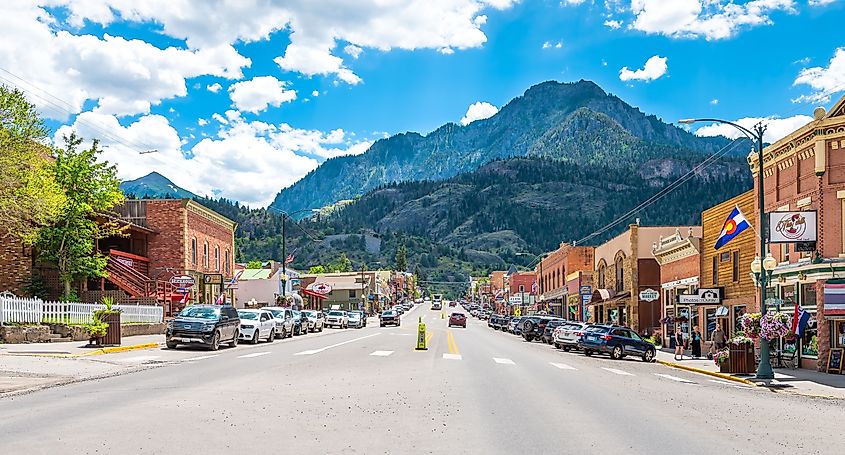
<point>834,360</point>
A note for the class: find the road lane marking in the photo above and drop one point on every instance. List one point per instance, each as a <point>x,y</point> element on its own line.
<point>202,357</point>
<point>450,340</point>
<point>316,351</point>
<point>503,361</point>
<point>138,358</point>
<point>619,372</point>
<point>254,354</point>
<point>382,353</point>
<point>452,357</point>
<point>719,381</point>
<point>674,378</point>
<point>563,366</point>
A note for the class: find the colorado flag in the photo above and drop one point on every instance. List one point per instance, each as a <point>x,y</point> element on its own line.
<point>734,225</point>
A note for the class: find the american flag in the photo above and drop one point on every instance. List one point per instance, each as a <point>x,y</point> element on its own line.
<point>534,287</point>
<point>289,259</point>
<point>186,297</point>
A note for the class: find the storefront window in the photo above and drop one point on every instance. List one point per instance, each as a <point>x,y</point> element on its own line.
<point>710,318</point>
<point>839,334</point>
<point>810,339</point>
<point>788,296</point>
<point>739,310</point>
<point>808,295</point>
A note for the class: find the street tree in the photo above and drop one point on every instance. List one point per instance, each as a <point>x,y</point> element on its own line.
<point>30,197</point>
<point>401,258</point>
<point>342,264</point>
<point>90,188</point>
<point>254,265</point>
<point>317,270</point>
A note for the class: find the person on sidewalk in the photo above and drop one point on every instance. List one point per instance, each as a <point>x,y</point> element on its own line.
<point>679,344</point>
<point>695,343</point>
<point>719,337</point>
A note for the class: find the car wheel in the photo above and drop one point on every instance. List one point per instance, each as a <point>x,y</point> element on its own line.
<point>528,338</point>
<point>648,356</point>
<point>254,339</point>
<point>617,353</point>
<point>566,348</point>
<point>321,328</point>
<point>172,344</point>
<point>234,342</point>
<point>215,341</point>
<point>557,345</point>
<point>272,336</point>
<point>588,352</point>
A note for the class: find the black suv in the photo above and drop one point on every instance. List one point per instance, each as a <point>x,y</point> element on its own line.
<point>616,340</point>
<point>205,325</point>
<point>533,327</point>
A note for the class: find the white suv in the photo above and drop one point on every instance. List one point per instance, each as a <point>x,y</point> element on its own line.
<point>566,336</point>
<point>256,324</point>
<point>338,319</point>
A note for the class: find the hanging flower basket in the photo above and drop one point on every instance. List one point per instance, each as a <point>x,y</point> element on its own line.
<point>751,325</point>
<point>740,340</point>
<point>774,325</point>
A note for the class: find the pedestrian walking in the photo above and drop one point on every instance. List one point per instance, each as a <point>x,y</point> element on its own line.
<point>695,343</point>
<point>719,338</point>
<point>679,344</point>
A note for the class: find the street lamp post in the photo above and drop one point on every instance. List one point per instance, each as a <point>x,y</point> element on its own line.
<point>764,369</point>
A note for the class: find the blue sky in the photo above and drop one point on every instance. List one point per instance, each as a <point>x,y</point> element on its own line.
<point>300,81</point>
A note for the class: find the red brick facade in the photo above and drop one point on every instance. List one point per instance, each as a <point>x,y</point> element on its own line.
<point>15,265</point>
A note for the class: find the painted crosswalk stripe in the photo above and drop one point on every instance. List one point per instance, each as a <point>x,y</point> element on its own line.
<point>674,378</point>
<point>562,366</point>
<point>317,351</point>
<point>254,354</point>
<point>202,357</point>
<point>503,361</point>
<point>452,356</point>
<point>382,353</point>
<point>619,372</point>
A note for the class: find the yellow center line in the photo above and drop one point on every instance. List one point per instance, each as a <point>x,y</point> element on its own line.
<point>453,346</point>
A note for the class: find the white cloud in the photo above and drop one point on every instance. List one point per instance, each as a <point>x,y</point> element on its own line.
<point>256,94</point>
<point>213,88</point>
<point>821,2</point>
<point>315,93</point>
<point>549,44</point>
<point>711,19</point>
<point>654,68</point>
<point>202,122</point>
<point>714,101</point>
<point>824,81</point>
<point>613,24</point>
<point>571,2</point>
<point>478,111</point>
<point>353,50</point>
<point>776,128</point>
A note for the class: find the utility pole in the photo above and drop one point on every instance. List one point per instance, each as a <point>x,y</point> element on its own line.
<point>284,257</point>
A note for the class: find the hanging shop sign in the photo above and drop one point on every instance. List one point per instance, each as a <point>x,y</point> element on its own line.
<point>183,281</point>
<point>649,295</point>
<point>704,296</point>
<point>321,288</point>
<point>790,227</point>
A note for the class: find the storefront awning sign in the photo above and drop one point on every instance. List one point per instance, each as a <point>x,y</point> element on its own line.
<point>834,299</point>
<point>182,281</point>
<point>321,288</point>
<point>704,296</point>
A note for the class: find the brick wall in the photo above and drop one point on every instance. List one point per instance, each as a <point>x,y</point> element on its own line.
<point>15,265</point>
<point>166,248</point>
<point>687,267</point>
<point>525,279</point>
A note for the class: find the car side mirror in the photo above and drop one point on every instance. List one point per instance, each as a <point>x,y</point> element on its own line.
<point>224,318</point>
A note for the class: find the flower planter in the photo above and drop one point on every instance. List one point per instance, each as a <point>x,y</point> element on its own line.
<point>113,332</point>
<point>741,360</point>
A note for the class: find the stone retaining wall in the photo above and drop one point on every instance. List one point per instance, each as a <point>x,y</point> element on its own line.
<point>41,333</point>
<point>25,334</point>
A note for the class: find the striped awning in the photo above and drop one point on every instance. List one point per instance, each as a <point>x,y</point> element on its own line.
<point>834,298</point>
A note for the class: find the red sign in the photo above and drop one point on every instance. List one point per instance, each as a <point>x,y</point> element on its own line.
<point>321,288</point>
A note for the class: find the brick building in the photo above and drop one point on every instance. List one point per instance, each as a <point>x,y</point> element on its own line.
<point>15,265</point>
<point>680,270</point>
<point>626,276</point>
<point>805,171</point>
<point>523,288</point>
<point>557,272</point>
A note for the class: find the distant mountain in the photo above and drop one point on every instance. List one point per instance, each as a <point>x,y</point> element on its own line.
<point>573,122</point>
<point>154,185</point>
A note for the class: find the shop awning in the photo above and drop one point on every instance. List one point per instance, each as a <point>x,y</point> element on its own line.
<point>611,299</point>
<point>834,298</point>
<point>312,294</point>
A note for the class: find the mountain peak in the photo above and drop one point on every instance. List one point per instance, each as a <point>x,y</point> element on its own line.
<point>154,186</point>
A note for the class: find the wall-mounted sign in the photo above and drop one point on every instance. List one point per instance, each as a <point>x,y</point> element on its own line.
<point>805,247</point>
<point>183,281</point>
<point>789,227</point>
<point>586,290</point>
<point>321,288</point>
<point>649,295</point>
<point>704,296</point>
<point>213,278</point>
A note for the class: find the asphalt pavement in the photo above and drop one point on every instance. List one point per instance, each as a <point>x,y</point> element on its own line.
<point>368,390</point>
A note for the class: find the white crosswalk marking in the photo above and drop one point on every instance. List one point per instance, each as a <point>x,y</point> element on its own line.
<point>674,378</point>
<point>452,356</point>
<point>254,354</point>
<point>562,366</point>
<point>382,353</point>
<point>619,372</point>
<point>202,357</point>
<point>316,351</point>
<point>503,361</point>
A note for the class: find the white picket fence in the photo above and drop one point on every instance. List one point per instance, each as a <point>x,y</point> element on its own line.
<point>20,310</point>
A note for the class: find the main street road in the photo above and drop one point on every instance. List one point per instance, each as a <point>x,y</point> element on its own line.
<point>367,391</point>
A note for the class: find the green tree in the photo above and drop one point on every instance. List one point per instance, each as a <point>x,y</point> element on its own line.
<point>401,259</point>
<point>254,265</point>
<point>342,264</point>
<point>30,197</point>
<point>316,270</point>
<point>90,188</point>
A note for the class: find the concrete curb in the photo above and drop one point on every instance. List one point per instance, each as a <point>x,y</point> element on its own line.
<point>86,354</point>
<point>707,372</point>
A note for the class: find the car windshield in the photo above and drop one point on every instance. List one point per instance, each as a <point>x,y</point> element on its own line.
<point>200,312</point>
<point>388,313</point>
<point>247,315</point>
<point>354,316</point>
<point>457,315</point>
<point>595,329</point>
<point>309,314</point>
<point>335,313</point>
<point>276,312</point>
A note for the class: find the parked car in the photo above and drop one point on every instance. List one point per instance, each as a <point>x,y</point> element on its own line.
<point>257,324</point>
<point>533,327</point>
<point>399,309</point>
<point>566,336</point>
<point>494,321</point>
<point>337,318</point>
<point>458,319</point>
<point>283,317</point>
<point>389,317</point>
<point>513,325</point>
<point>436,306</point>
<point>355,320</point>
<point>300,323</point>
<point>204,325</point>
<point>504,322</point>
<point>618,341</point>
<point>548,336</point>
<point>316,320</point>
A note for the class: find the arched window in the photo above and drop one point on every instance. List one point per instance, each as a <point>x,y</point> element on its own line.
<point>226,262</point>
<point>205,254</point>
<point>620,272</point>
<point>601,271</point>
<point>194,250</point>
<point>216,258</point>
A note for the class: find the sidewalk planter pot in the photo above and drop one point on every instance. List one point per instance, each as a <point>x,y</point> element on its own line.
<point>741,359</point>
<point>111,318</point>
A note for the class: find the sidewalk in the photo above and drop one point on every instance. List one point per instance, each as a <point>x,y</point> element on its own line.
<point>75,348</point>
<point>798,381</point>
